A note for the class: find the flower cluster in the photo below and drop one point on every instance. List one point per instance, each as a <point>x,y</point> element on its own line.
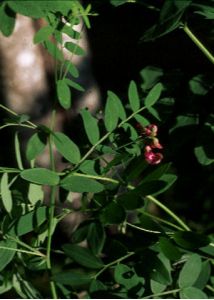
<point>151,154</point>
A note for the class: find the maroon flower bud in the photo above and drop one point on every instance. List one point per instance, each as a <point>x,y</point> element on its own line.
<point>156,144</point>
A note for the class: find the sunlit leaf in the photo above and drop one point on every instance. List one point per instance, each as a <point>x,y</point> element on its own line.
<point>67,147</point>
<point>6,195</point>
<point>64,94</point>
<point>153,95</point>
<point>40,176</point>
<point>134,99</point>
<point>91,127</point>
<point>43,34</point>
<point>81,184</point>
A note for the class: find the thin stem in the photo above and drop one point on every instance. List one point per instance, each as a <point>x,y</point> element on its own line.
<point>131,116</point>
<point>21,251</point>
<point>101,178</point>
<point>93,148</point>
<point>15,124</point>
<point>198,43</point>
<point>51,211</point>
<point>209,287</point>
<point>161,220</point>
<point>141,228</point>
<point>36,252</point>
<point>15,114</point>
<point>168,211</point>
<point>113,263</point>
<point>162,294</point>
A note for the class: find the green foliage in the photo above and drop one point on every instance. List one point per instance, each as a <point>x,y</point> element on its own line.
<point>128,244</point>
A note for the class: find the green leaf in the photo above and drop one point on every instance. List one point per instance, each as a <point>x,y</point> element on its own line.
<point>140,119</point>
<point>118,2</point>
<point>80,234</point>
<point>74,85</point>
<point>206,11</point>
<point>118,105</point>
<point>111,114</point>
<point>97,285</point>
<point>35,145</point>
<point>67,147</point>
<point>91,127</point>
<point>126,276</point>
<point>27,8</point>
<point>18,152</point>
<point>154,112</point>
<point>150,76</point>
<point>192,293</point>
<point>204,275</point>
<point>199,85</point>
<point>153,95</point>
<point>71,32</point>
<point>40,176</point>
<point>35,193</point>
<point>170,17</point>
<point>169,180</point>
<point>53,50</point>
<point>88,167</point>
<point>7,252</point>
<point>190,240</point>
<point>74,48</point>
<point>71,68</point>
<point>158,172</point>
<point>160,271</point>
<point>72,278</point>
<point>38,9</point>
<point>43,34</point>
<point>190,271</point>
<point>157,287</point>
<point>113,213</point>
<point>63,93</point>
<point>169,249</point>
<point>134,99</point>
<point>96,237</point>
<point>6,196</point>
<point>202,157</point>
<point>80,184</point>
<point>148,223</point>
<point>30,221</point>
<point>7,19</point>
<point>82,256</point>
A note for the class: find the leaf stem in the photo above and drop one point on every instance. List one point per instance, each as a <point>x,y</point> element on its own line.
<point>22,251</point>
<point>162,294</point>
<point>101,178</point>
<point>15,114</point>
<point>198,43</point>
<point>51,211</point>
<point>141,228</point>
<point>36,252</point>
<point>160,220</point>
<point>16,124</point>
<point>168,211</point>
<point>113,263</point>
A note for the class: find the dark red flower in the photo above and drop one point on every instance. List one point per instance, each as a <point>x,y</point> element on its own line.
<point>153,158</point>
